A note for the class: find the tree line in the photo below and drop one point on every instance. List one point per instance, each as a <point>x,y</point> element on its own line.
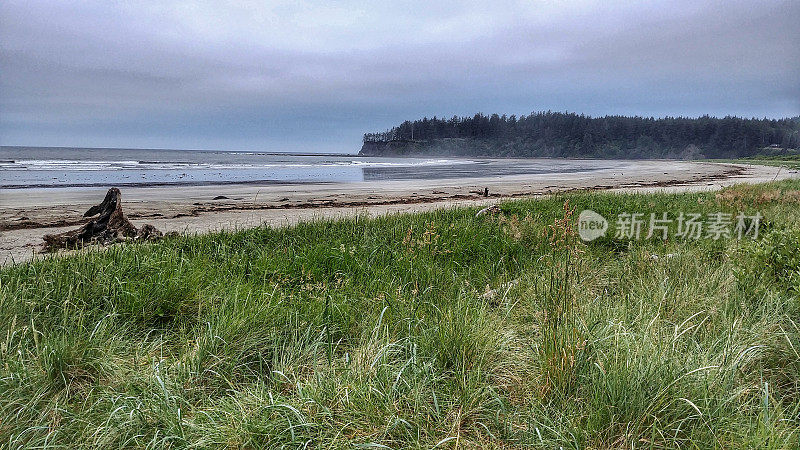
<point>558,134</point>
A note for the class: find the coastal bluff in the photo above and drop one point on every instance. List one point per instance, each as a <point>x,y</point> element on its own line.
<point>431,147</point>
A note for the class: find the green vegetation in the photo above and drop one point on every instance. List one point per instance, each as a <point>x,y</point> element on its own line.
<point>790,161</point>
<point>554,134</point>
<point>437,329</point>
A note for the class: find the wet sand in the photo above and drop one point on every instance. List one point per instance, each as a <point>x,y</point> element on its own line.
<point>27,214</point>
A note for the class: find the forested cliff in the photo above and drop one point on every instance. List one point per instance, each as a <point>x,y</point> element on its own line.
<point>555,134</point>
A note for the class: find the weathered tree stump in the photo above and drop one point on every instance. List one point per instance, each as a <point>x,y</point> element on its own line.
<point>109,227</point>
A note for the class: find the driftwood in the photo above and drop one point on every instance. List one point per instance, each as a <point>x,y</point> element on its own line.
<point>484,192</point>
<point>109,227</point>
<point>490,210</point>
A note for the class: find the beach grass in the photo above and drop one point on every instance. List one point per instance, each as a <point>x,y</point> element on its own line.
<point>791,161</point>
<point>439,329</point>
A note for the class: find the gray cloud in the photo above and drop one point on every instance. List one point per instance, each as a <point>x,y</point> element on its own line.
<point>300,75</point>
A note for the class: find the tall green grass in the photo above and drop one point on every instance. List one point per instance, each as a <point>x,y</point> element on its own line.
<point>791,161</point>
<point>436,329</point>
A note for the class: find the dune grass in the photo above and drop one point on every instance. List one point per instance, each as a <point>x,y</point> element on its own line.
<point>790,161</point>
<point>427,330</point>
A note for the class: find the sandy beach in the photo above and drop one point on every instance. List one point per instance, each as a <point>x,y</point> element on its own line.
<point>27,214</point>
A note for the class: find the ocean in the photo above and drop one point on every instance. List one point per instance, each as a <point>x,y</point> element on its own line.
<point>49,167</point>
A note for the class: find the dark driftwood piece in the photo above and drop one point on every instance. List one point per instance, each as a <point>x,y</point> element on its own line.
<point>109,227</point>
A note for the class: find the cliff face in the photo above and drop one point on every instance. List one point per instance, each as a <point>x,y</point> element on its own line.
<point>390,148</point>
<point>433,147</point>
<point>372,149</point>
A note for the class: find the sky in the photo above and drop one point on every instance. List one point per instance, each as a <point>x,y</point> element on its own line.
<point>315,76</point>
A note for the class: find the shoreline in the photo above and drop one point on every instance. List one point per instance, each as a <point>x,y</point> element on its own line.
<point>26,215</point>
<point>414,199</point>
<point>15,187</point>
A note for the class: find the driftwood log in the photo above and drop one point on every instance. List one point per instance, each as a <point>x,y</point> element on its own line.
<point>490,210</point>
<point>109,227</point>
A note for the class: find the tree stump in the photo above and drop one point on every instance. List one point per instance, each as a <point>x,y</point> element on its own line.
<point>109,227</point>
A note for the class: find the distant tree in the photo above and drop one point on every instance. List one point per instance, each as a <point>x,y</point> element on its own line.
<point>550,133</point>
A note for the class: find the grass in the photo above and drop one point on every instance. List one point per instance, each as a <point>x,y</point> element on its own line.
<point>790,161</point>
<point>426,330</point>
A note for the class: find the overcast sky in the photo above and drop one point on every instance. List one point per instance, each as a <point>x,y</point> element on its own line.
<point>314,76</point>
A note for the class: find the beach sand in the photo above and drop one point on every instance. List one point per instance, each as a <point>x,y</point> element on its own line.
<point>27,214</point>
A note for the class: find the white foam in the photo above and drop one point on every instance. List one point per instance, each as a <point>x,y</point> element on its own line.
<point>83,165</point>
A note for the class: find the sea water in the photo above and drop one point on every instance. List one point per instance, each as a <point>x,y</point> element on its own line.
<point>27,167</point>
